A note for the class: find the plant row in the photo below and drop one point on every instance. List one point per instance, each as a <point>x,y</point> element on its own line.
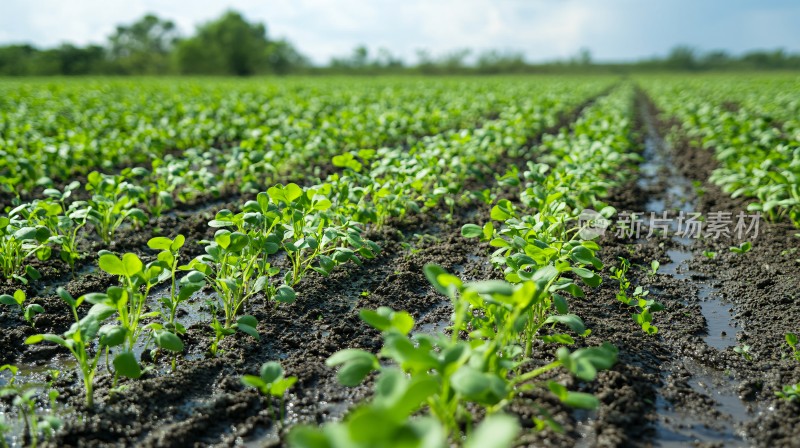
<point>259,253</point>
<point>52,131</point>
<point>430,391</point>
<point>753,128</point>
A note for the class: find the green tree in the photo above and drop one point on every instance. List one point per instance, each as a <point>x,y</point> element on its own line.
<point>227,46</point>
<point>282,57</point>
<point>144,46</point>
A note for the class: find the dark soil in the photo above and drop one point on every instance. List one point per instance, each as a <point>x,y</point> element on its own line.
<point>204,404</point>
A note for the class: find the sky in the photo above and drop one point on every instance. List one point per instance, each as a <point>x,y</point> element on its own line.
<point>543,30</point>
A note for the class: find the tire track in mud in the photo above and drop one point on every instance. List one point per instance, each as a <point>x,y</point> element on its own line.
<point>203,403</point>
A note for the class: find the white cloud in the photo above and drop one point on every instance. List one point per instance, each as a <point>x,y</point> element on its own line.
<point>543,29</point>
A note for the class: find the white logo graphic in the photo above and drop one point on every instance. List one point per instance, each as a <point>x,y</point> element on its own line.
<point>592,224</point>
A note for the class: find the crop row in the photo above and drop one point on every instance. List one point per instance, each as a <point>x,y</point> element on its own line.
<point>312,228</point>
<point>754,131</point>
<point>137,195</point>
<point>50,132</point>
<point>542,252</point>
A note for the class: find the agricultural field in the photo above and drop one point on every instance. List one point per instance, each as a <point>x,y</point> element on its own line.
<point>418,262</point>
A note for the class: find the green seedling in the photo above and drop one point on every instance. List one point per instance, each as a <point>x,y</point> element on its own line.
<point>80,340</point>
<point>233,271</point>
<point>792,342</point>
<point>638,299</point>
<point>742,248</point>
<point>744,350</point>
<point>389,419</point>
<point>709,254</point>
<point>789,393</point>
<point>129,300</point>
<point>246,324</point>
<point>18,301</point>
<point>478,371</point>
<point>113,203</point>
<point>64,222</point>
<point>18,241</point>
<point>24,399</point>
<point>189,284</point>
<point>271,383</point>
<point>654,265</point>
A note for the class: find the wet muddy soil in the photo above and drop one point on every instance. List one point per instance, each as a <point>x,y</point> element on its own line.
<point>683,386</point>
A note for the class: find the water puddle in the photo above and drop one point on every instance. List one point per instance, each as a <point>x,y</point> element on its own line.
<point>31,377</point>
<point>679,427</point>
<point>680,198</point>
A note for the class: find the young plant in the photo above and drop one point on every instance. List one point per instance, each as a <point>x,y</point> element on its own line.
<point>18,241</point>
<point>654,265</point>
<point>791,392</point>
<point>311,238</point>
<point>388,421</point>
<point>233,274</point>
<point>490,368</point>
<point>18,301</point>
<point>709,254</point>
<point>130,303</point>
<point>80,340</point>
<point>744,350</point>
<point>130,300</point>
<point>792,342</point>
<point>63,221</point>
<point>24,400</point>
<point>271,383</point>
<point>638,300</point>
<point>189,284</point>
<point>112,203</point>
<point>742,248</point>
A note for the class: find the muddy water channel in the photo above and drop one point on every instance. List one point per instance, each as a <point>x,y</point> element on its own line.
<point>671,204</point>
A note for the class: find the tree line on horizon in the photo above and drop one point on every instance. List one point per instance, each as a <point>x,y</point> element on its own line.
<point>232,46</point>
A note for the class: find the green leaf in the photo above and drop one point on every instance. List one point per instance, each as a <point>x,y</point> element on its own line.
<point>349,355</point>
<point>177,243</point>
<point>112,335</point>
<point>252,381</point>
<point>271,371</point>
<point>583,255</point>
<point>483,388</point>
<point>572,321</point>
<point>354,372</point>
<point>590,278</point>
<point>471,231</point>
<point>304,436</point>
<point>491,287</point>
<point>581,400</point>
<point>159,243</point>
<point>247,324</point>
<point>374,319</point>
<point>125,364</point>
<point>32,273</point>
<point>35,339</point>
<point>169,341</point>
<point>496,431</point>
<point>111,264</point>
<point>402,322</point>
<point>433,273</point>
<point>285,294</point>
<point>66,297</point>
